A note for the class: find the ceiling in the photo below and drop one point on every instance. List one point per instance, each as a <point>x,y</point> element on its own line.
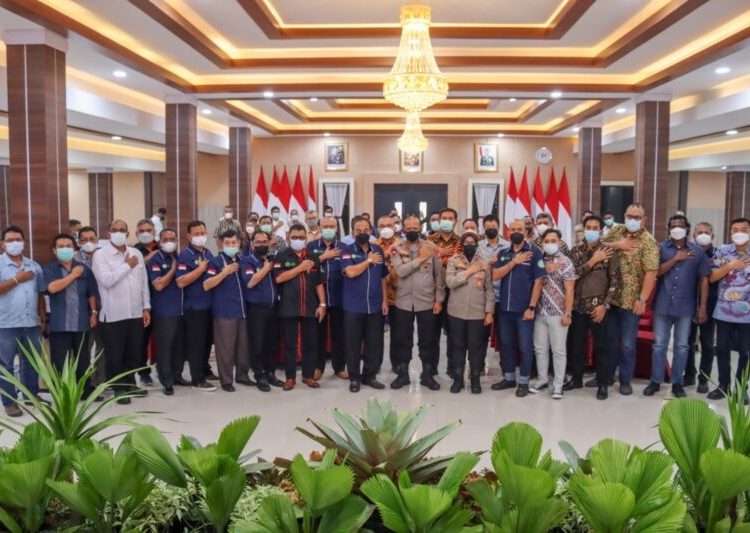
<point>325,61</point>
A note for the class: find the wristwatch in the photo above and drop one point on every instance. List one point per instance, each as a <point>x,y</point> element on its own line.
<point>94,312</point>
<point>532,308</point>
<point>322,305</point>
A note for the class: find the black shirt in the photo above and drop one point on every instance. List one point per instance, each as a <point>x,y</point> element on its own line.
<point>298,295</point>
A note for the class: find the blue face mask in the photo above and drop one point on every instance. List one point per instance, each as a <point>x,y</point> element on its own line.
<point>435,225</point>
<point>551,249</point>
<point>266,228</point>
<point>609,222</point>
<point>328,234</point>
<point>632,225</point>
<point>446,225</point>
<point>231,251</point>
<point>591,235</point>
<point>65,254</point>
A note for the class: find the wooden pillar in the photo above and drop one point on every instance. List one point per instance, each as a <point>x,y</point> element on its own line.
<point>38,142</point>
<point>652,158</point>
<point>589,194</point>
<point>737,202</point>
<point>100,199</point>
<point>181,151</point>
<point>4,195</point>
<point>240,188</point>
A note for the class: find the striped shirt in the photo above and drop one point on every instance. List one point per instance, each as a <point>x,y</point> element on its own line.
<point>552,302</point>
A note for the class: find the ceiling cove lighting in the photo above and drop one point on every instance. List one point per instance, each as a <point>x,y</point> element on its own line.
<point>267,94</point>
<point>206,111</point>
<point>313,99</point>
<point>116,138</point>
<point>723,70</point>
<point>326,134</point>
<point>732,132</point>
<point>412,141</point>
<point>555,94</point>
<point>119,74</point>
<point>620,110</point>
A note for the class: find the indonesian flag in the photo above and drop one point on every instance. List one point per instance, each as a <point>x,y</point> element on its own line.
<point>564,221</point>
<point>298,200</point>
<point>260,200</point>
<point>553,203</point>
<point>273,197</point>
<point>312,203</point>
<point>510,203</point>
<point>285,194</point>
<point>537,201</point>
<point>523,204</point>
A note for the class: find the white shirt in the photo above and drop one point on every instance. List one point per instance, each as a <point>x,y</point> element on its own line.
<point>123,290</point>
<point>158,226</point>
<point>283,229</point>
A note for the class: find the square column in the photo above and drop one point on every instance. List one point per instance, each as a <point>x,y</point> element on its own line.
<point>737,202</point>
<point>652,158</point>
<point>100,199</point>
<point>181,150</point>
<point>240,188</point>
<point>589,169</point>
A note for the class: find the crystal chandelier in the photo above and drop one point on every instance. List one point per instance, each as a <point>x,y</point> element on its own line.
<point>412,141</point>
<point>415,82</point>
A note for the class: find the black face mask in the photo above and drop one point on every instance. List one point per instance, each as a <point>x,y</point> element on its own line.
<point>491,233</point>
<point>261,250</point>
<point>516,238</point>
<point>469,251</point>
<point>362,238</point>
<point>412,236</point>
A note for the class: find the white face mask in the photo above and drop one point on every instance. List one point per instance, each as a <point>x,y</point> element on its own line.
<point>89,247</point>
<point>397,228</point>
<point>275,215</point>
<point>14,248</point>
<point>199,240</point>
<point>386,233</point>
<point>168,247</point>
<point>145,238</point>
<point>228,216</point>
<point>118,238</point>
<point>703,239</point>
<point>541,228</point>
<point>677,233</point>
<point>740,238</point>
<point>250,229</point>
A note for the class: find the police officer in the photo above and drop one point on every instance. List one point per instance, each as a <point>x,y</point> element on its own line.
<point>364,305</point>
<point>419,295</point>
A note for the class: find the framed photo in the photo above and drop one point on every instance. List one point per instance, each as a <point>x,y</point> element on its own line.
<point>337,156</point>
<point>410,162</point>
<point>485,157</point>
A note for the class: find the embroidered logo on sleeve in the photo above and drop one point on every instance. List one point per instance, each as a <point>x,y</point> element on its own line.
<point>182,266</point>
<point>155,268</point>
<point>211,271</point>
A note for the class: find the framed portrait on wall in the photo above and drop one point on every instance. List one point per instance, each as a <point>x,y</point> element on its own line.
<point>485,157</point>
<point>410,162</point>
<point>337,156</point>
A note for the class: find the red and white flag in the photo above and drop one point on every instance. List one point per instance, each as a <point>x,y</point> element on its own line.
<point>564,220</point>
<point>285,194</point>
<point>260,200</point>
<point>273,196</point>
<point>523,205</point>
<point>510,203</point>
<point>298,200</point>
<point>312,203</point>
<point>537,200</point>
<point>553,203</point>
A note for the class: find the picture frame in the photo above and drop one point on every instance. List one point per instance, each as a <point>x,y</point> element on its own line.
<point>410,162</point>
<point>485,157</point>
<point>336,156</point>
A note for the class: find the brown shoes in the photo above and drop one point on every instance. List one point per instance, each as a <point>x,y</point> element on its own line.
<point>343,374</point>
<point>317,374</point>
<point>13,411</point>
<point>289,384</point>
<point>313,384</point>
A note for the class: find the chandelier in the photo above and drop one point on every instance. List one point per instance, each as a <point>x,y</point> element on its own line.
<point>415,82</point>
<point>412,141</point>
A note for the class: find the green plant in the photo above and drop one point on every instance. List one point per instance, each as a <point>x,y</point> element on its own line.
<point>413,508</point>
<point>726,474</point>
<point>522,501</point>
<point>382,442</point>
<point>74,414</point>
<point>329,505</point>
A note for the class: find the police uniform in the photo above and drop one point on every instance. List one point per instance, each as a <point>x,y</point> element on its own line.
<point>441,320</point>
<point>391,287</point>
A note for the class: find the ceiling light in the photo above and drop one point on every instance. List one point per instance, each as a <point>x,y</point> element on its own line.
<point>555,94</point>
<point>267,94</point>
<point>415,81</point>
<point>724,167</point>
<point>501,135</point>
<point>116,138</point>
<point>722,70</point>
<point>119,74</point>
<point>412,141</point>
<point>326,134</point>
<point>206,111</point>
<point>512,99</point>
<point>732,132</point>
<point>576,129</point>
<point>313,99</point>
<point>541,101</point>
<point>620,110</point>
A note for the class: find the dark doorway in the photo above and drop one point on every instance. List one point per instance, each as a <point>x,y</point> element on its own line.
<point>615,199</point>
<point>410,199</point>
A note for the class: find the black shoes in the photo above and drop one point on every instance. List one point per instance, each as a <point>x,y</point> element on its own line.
<point>457,386</point>
<point>652,388</point>
<point>505,385</point>
<point>374,383</point>
<point>689,381</point>
<point>702,387</point>
<point>354,386</point>
<point>573,384</point>
<point>228,388</point>
<point>146,380</point>
<point>210,376</point>
<point>401,380</point>
<point>678,391</point>
<point>601,393</point>
<point>168,391</point>
<point>427,380</point>
<point>247,382</point>
<point>476,388</point>
<point>263,385</point>
<point>273,380</point>
<point>626,389</point>
<point>718,393</point>
<point>522,390</point>
<point>123,401</point>
<point>181,382</point>
<point>139,393</point>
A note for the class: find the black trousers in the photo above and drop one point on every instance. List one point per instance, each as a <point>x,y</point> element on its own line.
<point>441,321</point>
<point>304,329</point>
<point>331,327</point>
<point>467,337</point>
<point>402,335</point>
<point>582,324</point>
<point>263,330</point>
<point>198,338</point>
<point>143,361</point>
<point>731,335</point>
<point>169,343</point>
<point>123,341</point>
<point>707,334</point>
<point>63,344</point>
<point>363,329</point>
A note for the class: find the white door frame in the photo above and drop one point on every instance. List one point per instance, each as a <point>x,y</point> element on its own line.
<point>500,182</point>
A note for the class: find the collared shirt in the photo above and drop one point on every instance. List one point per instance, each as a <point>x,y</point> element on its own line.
<point>158,226</point>
<point>332,267</point>
<point>145,250</point>
<point>168,301</point>
<point>19,305</point>
<point>69,308</point>
<point>598,285</point>
<point>265,292</point>
<point>391,284</point>
<point>733,304</point>
<point>634,263</point>
<point>563,246</point>
<point>516,287</point>
<point>123,290</point>
<point>472,297</point>
<point>676,289</point>
<point>228,297</point>
<point>225,225</point>
<point>193,295</point>
<point>713,288</point>
<point>83,258</point>
<point>299,297</point>
<point>552,301</point>
<point>364,293</point>
<point>420,283</point>
<point>274,249</point>
<point>453,241</point>
<point>487,252</point>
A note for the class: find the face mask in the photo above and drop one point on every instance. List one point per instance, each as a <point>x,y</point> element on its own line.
<point>469,251</point>
<point>609,222</point>
<point>313,222</point>
<point>199,240</point>
<point>677,233</point>
<point>89,247</point>
<point>740,238</point>
<point>551,249</point>
<point>294,218</point>
<point>328,214</point>
<point>386,233</point>
<point>14,248</point>
<point>261,250</point>
<point>328,234</point>
<point>703,239</point>
<point>275,216</point>
<point>412,236</point>
<point>228,216</point>
<point>231,251</point>
<point>266,228</point>
<point>541,228</point>
<point>435,225</point>
<point>65,254</point>
<point>362,238</point>
<point>491,233</point>
<point>118,238</point>
<point>446,225</point>
<point>632,225</point>
<point>469,231</point>
<point>516,238</point>
<point>168,247</point>
<point>591,235</point>
<point>250,229</point>
<point>397,228</point>
<point>297,246</point>
<point>145,238</point>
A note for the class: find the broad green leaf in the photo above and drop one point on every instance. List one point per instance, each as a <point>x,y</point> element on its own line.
<point>455,474</point>
<point>488,500</point>
<point>540,519</point>
<point>321,488</point>
<point>347,516</point>
<point>727,473</point>
<point>414,453</point>
<point>235,436</point>
<point>23,484</point>
<point>665,519</point>
<point>520,441</point>
<point>454,519</point>
<point>76,498</point>
<point>425,503</point>
<point>351,428</point>
<point>9,522</point>
<point>607,507</point>
<point>36,442</point>
<point>649,476</point>
<point>156,456</point>
<point>384,494</point>
<point>609,458</point>
<point>523,486</point>
<point>276,515</point>
<point>222,495</point>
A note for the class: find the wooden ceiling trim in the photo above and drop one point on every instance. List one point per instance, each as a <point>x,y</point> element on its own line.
<point>534,111</point>
<point>296,113</point>
<point>243,115</point>
<point>379,105</point>
<point>586,114</point>
<point>567,18</point>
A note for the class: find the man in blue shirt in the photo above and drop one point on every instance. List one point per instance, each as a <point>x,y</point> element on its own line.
<point>521,269</point>
<point>683,267</point>
<point>364,304</point>
<point>24,312</point>
<point>196,305</point>
<point>73,306</point>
